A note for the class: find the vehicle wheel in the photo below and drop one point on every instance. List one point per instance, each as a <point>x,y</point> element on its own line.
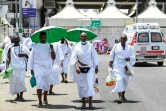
<point>160,63</point>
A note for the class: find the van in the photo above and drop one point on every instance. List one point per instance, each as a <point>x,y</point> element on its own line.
<point>146,41</point>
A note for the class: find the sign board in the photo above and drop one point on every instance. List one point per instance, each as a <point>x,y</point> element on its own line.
<point>86,27</point>
<point>29,8</point>
<point>33,26</point>
<point>95,23</point>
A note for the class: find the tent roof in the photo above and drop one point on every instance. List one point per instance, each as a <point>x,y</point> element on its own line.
<point>69,11</point>
<point>111,11</point>
<point>152,11</point>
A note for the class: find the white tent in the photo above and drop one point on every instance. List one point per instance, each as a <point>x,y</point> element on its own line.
<point>69,12</point>
<point>111,11</point>
<point>152,11</point>
<point>69,17</point>
<point>153,15</point>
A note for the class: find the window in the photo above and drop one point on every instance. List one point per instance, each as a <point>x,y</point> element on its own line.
<point>130,29</point>
<point>156,37</point>
<point>143,37</point>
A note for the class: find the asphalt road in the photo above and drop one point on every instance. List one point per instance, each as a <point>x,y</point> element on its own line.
<point>147,93</point>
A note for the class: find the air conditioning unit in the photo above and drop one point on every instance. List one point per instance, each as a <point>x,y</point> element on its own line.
<point>10,6</point>
<point>49,4</point>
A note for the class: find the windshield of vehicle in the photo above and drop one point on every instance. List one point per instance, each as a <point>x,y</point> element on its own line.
<point>143,37</point>
<point>156,37</point>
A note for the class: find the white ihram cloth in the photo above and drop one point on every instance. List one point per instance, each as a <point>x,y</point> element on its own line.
<point>56,69</point>
<point>66,50</point>
<point>28,42</point>
<point>5,51</point>
<point>87,55</point>
<point>17,78</point>
<point>40,62</point>
<point>119,62</point>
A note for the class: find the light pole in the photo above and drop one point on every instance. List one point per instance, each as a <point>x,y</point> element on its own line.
<point>16,16</point>
<point>137,11</point>
<point>20,20</point>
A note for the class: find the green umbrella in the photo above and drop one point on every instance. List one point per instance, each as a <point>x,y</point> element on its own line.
<point>7,73</point>
<point>74,34</point>
<point>54,34</point>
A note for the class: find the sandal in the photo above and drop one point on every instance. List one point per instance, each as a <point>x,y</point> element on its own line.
<point>45,102</point>
<point>22,99</point>
<point>120,101</point>
<point>91,108</point>
<point>83,106</point>
<point>39,105</point>
<point>17,99</point>
<point>51,93</point>
<point>66,81</point>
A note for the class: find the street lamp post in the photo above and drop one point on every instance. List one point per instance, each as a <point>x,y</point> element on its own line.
<point>137,11</point>
<point>16,12</point>
<point>20,20</point>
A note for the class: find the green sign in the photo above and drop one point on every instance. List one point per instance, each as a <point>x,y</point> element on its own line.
<point>95,24</point>
<point>86,27</point>
<point>20,30</point>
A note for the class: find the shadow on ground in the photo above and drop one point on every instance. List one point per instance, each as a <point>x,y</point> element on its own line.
<point>93,101</point>
<point>95,108</point>
<point>50,106</point>
<point>56,94</point>
<point>14,101</point>
<point>147,65</point>
<point>5,83</point>
<point>128,101</point>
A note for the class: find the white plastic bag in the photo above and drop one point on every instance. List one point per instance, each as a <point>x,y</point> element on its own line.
<point>111,79</point>
<point>130,68</point>
<point>95,83</point>
<point>2,67</point>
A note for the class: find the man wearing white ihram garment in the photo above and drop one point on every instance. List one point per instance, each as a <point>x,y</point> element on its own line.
<point>121,53</point>
<point>56,69</point>
<point>40,64</point>
<point>66,50</point>
<point>28,43</point>
<point>17,56</point>
<point>5,51</point>
<point>84,60</point>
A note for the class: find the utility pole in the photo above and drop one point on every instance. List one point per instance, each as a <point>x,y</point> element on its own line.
<point>20,20</point>
<point>137,11</point>
<point>16,11</point>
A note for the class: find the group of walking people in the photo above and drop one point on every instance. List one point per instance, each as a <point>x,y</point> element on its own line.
<point>47,61</point>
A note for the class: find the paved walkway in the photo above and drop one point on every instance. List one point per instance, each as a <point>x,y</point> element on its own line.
<point>66,98</point>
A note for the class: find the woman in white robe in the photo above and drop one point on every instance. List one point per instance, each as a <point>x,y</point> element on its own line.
<point>84,55</point>
<point>56,69</point>
<point>66,50</point>
<point>18,55</point>
<point>40,64</point>
<point>121,53</point>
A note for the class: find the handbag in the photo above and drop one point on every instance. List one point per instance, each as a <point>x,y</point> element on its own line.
<point>84,69</point>
<point>33,81</point>
<point>7,73</point>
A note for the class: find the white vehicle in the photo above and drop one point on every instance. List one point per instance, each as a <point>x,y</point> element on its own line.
<point>147,42</point>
